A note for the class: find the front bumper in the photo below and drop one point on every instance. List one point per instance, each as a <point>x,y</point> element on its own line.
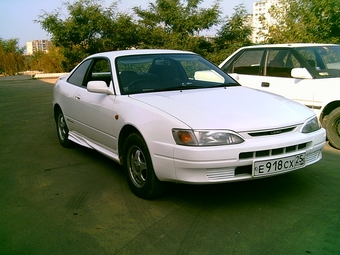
<point>217,164</point>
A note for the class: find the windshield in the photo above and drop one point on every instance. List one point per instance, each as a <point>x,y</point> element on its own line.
<point>324,60</point>
<point>166,72</point>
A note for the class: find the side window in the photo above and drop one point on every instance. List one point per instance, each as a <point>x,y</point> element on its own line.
<point>279,63</point>
<point>248,63</point>
<point>309,57</point>
<point>100,71</point>
<point>294,63</point>
<point>77,77</point>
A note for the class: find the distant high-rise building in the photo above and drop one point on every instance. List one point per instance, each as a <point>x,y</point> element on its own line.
<point>37,45</point>
<point>261,8</point>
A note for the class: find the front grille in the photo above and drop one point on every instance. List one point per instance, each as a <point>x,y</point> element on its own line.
<point>272,152</point>
<point>272,132</point>
<point>312,157</point>
<point>220,174</point>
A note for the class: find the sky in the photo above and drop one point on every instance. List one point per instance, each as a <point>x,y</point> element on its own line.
<point>17,16</point>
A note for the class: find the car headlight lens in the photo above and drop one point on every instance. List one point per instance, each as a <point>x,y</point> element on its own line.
<point>206,137</point>
<point>311,125</point>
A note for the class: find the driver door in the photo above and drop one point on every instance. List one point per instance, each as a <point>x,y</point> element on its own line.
<point>270,70</point>
<point>95,111</point>
<point>277,77</point>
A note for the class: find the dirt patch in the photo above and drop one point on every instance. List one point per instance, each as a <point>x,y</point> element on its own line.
<point>50,80</point>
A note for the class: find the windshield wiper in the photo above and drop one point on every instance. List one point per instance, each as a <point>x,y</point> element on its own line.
<point>229,84</point>
<point>189,85</point>
<point>182,87</point>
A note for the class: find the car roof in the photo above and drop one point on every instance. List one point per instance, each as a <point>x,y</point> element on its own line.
<point>119,53</point>
<point>290,45</point>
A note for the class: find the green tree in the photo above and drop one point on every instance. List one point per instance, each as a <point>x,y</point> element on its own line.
<point>11,57</point>
<point>234,33</point>
<point>87,29</point>
<point>176,24</point>
<point>235,30</point>
<point>50,62</point>
<point>304,21</point>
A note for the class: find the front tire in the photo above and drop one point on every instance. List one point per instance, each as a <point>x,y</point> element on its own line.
<point>332,125</point>
<point>62,130</point>
<point>139,171</point>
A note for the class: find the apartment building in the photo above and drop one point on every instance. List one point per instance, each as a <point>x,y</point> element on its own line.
<point>261,8</point>
<point>37,45</point>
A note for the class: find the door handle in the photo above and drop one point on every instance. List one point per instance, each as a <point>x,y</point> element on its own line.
<point>77,97</point>
<point>265,84</point>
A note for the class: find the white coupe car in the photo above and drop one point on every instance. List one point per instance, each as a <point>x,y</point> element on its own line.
<point>306,72</point>
<point>172,116</point>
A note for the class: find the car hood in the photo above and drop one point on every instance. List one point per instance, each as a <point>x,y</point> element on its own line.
<point>233,108</point>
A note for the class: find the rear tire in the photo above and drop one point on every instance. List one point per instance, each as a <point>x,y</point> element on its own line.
<point>139,171</point>
<point>332,126</point>
<point>62,130</point>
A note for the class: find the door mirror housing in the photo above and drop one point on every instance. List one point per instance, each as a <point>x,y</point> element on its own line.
<point>301,73</point>
<point>208,75</point>
<point>99,87</point>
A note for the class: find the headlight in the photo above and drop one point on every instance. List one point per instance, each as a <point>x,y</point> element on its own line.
<point>206,137</point>
<point>311,125</point>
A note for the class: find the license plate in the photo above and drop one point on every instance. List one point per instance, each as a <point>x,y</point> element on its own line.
<point>266,167</point>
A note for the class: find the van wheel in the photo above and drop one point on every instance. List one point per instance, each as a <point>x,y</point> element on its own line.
<point>139,170</point>
<point>332,126</point>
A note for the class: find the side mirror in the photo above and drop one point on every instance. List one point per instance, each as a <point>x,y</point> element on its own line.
<point>98,87</point>
<point>300,73</point>
<point>208,75</point>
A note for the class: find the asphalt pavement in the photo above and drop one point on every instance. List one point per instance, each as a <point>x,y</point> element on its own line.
<point>75,201</point>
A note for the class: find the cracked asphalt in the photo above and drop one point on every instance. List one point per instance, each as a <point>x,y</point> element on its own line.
<point>75,201</point>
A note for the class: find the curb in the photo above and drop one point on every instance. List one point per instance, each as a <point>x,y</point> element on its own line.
<point>48,75</point>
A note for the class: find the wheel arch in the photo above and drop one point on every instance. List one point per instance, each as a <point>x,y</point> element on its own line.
<point>56,108</point>
<point>329,108</point>
<point>124,133</point>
